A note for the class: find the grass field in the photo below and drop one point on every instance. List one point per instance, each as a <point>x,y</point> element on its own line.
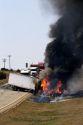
<point>29,113</point>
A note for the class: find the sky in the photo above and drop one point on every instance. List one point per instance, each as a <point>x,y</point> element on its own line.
<point>24,28</point>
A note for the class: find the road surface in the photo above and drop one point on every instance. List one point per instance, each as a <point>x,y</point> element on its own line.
<point>9,99</point>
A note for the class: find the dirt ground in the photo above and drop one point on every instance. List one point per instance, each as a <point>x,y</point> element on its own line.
<point>30,113</point>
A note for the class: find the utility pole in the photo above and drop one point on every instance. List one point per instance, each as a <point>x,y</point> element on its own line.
<point>9,62</point>
<point>4,61</point>
<point>26,65</point>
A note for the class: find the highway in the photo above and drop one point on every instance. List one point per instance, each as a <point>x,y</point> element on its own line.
<point>10,99</point>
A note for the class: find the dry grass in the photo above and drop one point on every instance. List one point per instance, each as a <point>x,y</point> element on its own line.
<point>3,81</point>
<point>29,113</point>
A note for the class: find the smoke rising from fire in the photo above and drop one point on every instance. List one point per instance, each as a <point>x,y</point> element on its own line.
<point>76,82</point>
<point>64,53</point>
<point>62,5</point>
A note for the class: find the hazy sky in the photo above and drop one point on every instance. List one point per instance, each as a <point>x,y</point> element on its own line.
<point>23,32</point>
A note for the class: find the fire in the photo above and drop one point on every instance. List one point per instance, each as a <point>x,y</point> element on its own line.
<point>59,84</point>
<point>44,85</point>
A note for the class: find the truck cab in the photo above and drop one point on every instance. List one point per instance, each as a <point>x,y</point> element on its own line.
<point>33,71</point>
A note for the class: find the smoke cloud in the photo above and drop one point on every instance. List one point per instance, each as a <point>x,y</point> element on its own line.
<point>63,5</point>
<point>64,54</point>
<point>75,84</point>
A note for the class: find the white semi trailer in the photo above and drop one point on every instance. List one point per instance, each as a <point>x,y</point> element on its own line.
<point>20,81</point>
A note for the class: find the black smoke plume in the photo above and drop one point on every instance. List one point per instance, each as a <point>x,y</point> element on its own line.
<point>62,5</point>
<point>64,55</point>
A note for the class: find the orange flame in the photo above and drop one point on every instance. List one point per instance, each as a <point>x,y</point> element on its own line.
<point>58,87</point>
<point>44,84</point>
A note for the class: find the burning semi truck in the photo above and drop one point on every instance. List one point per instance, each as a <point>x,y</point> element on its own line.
<point>64,55</point>
<point>48,90</point>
